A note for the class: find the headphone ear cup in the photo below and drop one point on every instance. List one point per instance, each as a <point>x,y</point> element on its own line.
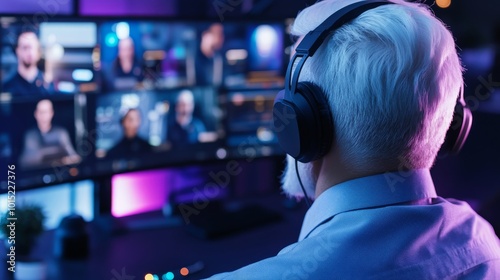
<point>318,130</point>
<point>459,129</point>
<point>286,124</point>
<point>303,122</point>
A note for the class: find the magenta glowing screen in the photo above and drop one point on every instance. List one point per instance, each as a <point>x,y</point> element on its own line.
<point>128,8</point>
<point>139,192</point>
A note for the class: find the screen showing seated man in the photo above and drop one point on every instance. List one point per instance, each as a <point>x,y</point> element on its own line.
<point>210,61</point>
<point>54,58</point>
<point>126,70</point>
<point>139,125</point>
<point>184,127</point>
<point>240,55</point>
<point>47,144</point>
<point>147,55</point>
<point>46,138</point>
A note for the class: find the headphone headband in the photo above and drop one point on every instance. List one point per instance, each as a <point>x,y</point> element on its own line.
<point>302,118</point>
<point>313,40</point>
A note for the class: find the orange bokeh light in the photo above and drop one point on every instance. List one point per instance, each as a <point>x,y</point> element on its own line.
<point>184,271</point>
<point>443,3</point>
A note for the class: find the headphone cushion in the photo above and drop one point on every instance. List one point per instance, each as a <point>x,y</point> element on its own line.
<point>459,129</point>
<point>319,135</point>
<point>304,125</point>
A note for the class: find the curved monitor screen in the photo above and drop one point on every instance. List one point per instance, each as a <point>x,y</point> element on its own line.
<point>95,98</point>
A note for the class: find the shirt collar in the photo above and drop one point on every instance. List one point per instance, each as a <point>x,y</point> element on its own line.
<point>366,192</point>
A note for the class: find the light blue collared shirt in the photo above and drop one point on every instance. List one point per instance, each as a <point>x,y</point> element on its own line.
<point>386,226</point>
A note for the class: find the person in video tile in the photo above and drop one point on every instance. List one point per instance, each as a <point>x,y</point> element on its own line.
<point>211,62</point>
<point>47,145</point>
<point>29,80</point>
<point>131,141</point>
<point>185,128</point>
<point>126,70</point>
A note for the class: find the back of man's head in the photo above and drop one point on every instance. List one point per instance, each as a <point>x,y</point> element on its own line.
<point>392,77</point>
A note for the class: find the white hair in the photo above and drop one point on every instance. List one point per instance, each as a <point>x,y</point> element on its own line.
<point>391,76</point>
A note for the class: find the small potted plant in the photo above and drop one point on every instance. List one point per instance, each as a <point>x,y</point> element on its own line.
<point>21,227</point>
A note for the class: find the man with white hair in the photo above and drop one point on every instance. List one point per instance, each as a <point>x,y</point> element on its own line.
<point>184,128</point>
<point>364,118</point>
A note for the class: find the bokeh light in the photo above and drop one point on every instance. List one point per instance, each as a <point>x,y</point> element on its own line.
<point>443,3</point>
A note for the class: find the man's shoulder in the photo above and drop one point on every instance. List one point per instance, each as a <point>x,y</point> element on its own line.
<point>11,81</point>
<point>31,132</point>
<point>198,123</point>
<point>436,241</point>
<point>56,129</point>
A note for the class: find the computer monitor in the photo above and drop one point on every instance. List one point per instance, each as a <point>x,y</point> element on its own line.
<point>163,105</point>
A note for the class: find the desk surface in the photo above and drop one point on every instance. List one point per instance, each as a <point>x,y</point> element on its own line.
<point>160,250</point>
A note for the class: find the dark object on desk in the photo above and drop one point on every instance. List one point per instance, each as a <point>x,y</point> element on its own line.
<point>71,238</point>
<point>27,227</point>
<point>219,219</point>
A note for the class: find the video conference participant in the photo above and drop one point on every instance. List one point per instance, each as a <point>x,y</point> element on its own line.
<point>131,142</point>
<point>184,128</point>
<point>29,80</point>
<point>126,71</point>
<point>46,144</point>
<point>210,65</point>
<point>390,79</point>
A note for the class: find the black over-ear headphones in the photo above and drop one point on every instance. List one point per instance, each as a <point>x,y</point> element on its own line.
<point>302,118</point>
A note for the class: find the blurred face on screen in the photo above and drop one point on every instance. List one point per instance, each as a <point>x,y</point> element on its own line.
<point>28,49</point>
<point>131,123</point>
<point>126,49</point>
<point>184,107</point>
<point>212,39</point>
<point>43,114</point>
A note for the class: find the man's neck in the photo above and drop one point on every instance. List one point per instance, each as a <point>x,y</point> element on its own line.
<point>333,170</point>
<point>28,73</point>
<point>130,137</point>
<point>44,129</point>
<point>184,121</point>
<point>329,178</point>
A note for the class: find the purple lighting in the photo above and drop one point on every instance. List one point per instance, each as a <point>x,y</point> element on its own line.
<point>47,8</point>
<point>127,8</point>
<point>139,192</point>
